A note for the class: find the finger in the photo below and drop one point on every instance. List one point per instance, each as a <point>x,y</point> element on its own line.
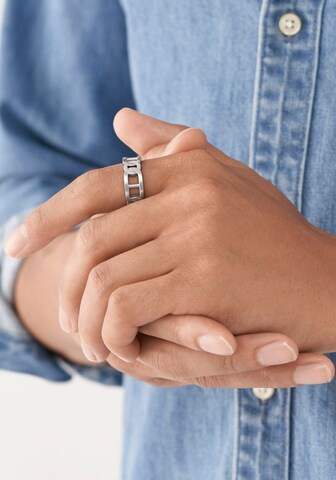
<point>189,139</point>
<point>103,238</point>
<point>143,373</point>
<point>308,369</point>
<point>86,194</point>
<point>94,192</point>
<point>150,137</point>
<point>143,263</point>
<point>99,191</point>
<point>193,331</point>
<point>142,132</point>
<point>134,305</point>
<point>94,243</point>
<point>241,370</point>
<point>253,352</point>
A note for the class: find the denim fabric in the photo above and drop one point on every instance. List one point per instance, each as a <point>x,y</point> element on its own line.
<point>264,98</point>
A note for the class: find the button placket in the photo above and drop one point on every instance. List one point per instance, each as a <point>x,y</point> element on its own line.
<point>285,87</point>
<point>289,38</point>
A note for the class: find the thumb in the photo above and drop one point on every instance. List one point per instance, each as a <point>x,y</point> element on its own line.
<point>188,139</point>
<point>151,137</point>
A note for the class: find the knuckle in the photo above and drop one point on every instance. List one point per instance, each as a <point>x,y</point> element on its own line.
<point>191,191</point>
<point>86,185</point>
<point>157,361</point>
<point>201,381</point>
<point>88,180</point>
<point>230,364</point>
<point>88,235</point>
<point>36,219</point>
<point>167,361</point>
<point>212,382</point>
<point>196,158</point>
<point>100,276</point>
<point>177,332</point>
<point>119,302</point>
<point>202,196</point>
<point>209,190</point>
<point>268,379</point>
<point>174,364</point>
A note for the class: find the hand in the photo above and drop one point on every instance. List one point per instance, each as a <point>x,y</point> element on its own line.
<point>184,185</point>
<point>167,363</point>
<point>36,298</point>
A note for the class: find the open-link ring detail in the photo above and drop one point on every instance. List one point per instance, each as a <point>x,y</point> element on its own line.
<point>132,167</point>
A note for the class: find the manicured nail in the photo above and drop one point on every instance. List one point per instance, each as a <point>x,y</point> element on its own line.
<point>89,353</point>
<point>313,373</point>
<point>16,241</point>
<point>64,320</point>
<point>276,353</point>
<point>215,344</point>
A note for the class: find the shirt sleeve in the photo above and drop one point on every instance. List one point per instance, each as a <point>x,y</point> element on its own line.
<point>63,76</point>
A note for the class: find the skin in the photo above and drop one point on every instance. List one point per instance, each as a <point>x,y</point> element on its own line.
<point>166,364</point>
<point>195,196</point>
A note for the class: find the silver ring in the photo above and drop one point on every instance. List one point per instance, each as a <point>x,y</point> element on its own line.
<point>132,167</point>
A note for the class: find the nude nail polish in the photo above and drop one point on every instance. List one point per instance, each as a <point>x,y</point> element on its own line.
<point>276,353</point>
<point>215,344</point>
<point>313,373</point>
<point>89,353</point>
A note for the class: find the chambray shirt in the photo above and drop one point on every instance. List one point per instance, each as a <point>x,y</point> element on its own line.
<point>262,94</point>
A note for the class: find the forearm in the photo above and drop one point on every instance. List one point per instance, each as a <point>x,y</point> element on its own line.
<point>36,299</point>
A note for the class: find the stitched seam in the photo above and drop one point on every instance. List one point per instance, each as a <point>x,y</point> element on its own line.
<point>258,81</point>
<point>236,436</point>
<point>311,106</point>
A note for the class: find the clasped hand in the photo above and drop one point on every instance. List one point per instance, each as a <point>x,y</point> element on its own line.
<point>214,278</point>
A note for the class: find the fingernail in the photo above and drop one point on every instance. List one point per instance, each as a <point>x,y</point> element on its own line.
<point>89,353</point>
<point>215,344</point>
<point>276,353</point>
<point>64,320</point>
<point>312,374</point>
<point>16,241</point>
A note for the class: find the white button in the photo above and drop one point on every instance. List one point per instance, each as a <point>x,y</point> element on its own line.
<point>263,393</point>
<point>290,24</point>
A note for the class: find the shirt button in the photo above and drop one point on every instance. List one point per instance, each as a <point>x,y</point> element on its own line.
<point>263,393</point>
<point>290,24</point>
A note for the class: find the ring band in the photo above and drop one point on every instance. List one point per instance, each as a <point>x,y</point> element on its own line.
<point>132,167</point>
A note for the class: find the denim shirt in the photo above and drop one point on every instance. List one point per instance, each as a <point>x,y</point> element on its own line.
<point>263,97</point>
